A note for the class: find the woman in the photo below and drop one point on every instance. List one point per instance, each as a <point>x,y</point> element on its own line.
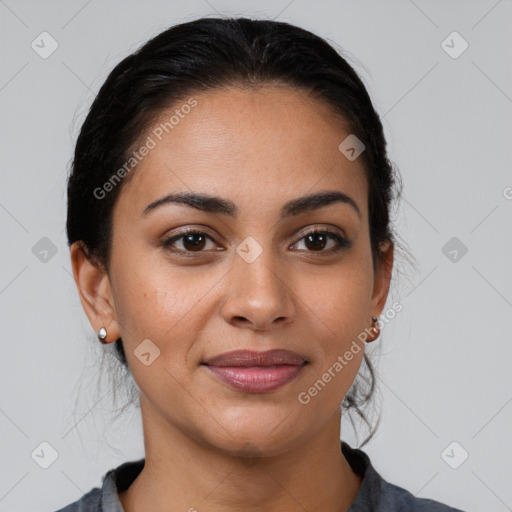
<point>228,222</point>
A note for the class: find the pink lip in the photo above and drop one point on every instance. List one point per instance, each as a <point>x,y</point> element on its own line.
<point>256,372</point>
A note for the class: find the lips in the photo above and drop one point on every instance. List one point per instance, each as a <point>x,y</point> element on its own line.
<point>251,358</point>
<point>256,372</point>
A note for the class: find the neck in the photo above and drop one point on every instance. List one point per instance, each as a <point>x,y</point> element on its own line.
<point>192,476</point>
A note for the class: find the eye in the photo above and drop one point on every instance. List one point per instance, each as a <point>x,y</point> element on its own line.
<point>318,240</point>
<point>193,241</point>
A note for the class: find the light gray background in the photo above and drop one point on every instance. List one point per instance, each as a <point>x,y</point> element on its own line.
<point>444,364</point>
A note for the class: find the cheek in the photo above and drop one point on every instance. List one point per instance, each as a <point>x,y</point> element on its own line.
<point>337,308</point>
<point>162,302</point>
<point>339,300</point>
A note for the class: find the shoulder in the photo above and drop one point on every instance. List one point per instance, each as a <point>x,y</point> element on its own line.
<point>398,499</point>
<point>106,497</point>
<point>379,495</point>
<point>90,502</point>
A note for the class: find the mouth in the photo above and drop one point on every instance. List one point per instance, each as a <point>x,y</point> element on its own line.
<point>256,372</point>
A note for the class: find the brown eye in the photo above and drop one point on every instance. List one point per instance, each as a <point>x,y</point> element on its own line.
<point>316,241</point>
<point>192,241</point>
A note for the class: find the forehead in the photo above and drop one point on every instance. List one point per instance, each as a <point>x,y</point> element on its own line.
<point>258,146</point>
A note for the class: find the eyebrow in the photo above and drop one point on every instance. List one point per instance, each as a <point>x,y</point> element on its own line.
<point>218,205</point>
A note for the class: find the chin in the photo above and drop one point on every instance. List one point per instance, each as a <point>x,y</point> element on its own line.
<point>256,437</point>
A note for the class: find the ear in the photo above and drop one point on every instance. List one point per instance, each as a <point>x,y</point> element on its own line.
<point>382,279</point>
<point>95,293</point>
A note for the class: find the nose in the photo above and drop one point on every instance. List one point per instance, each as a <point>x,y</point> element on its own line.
<point>259,295</point>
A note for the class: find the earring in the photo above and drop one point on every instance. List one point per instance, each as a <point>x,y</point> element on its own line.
<point>375,329</point>
<point>102,335</point>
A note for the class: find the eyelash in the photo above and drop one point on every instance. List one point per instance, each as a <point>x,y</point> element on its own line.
<point>342,243</point>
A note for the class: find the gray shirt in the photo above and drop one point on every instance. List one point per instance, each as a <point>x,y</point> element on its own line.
<point>374,495</point>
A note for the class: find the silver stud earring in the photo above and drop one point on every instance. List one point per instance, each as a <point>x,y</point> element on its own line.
<point>374,319</point>
<point>102,334</point>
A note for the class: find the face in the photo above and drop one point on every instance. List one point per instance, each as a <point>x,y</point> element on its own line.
<point>253,276</point>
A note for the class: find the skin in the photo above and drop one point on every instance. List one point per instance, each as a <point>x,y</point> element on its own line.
<point>258,148</point>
